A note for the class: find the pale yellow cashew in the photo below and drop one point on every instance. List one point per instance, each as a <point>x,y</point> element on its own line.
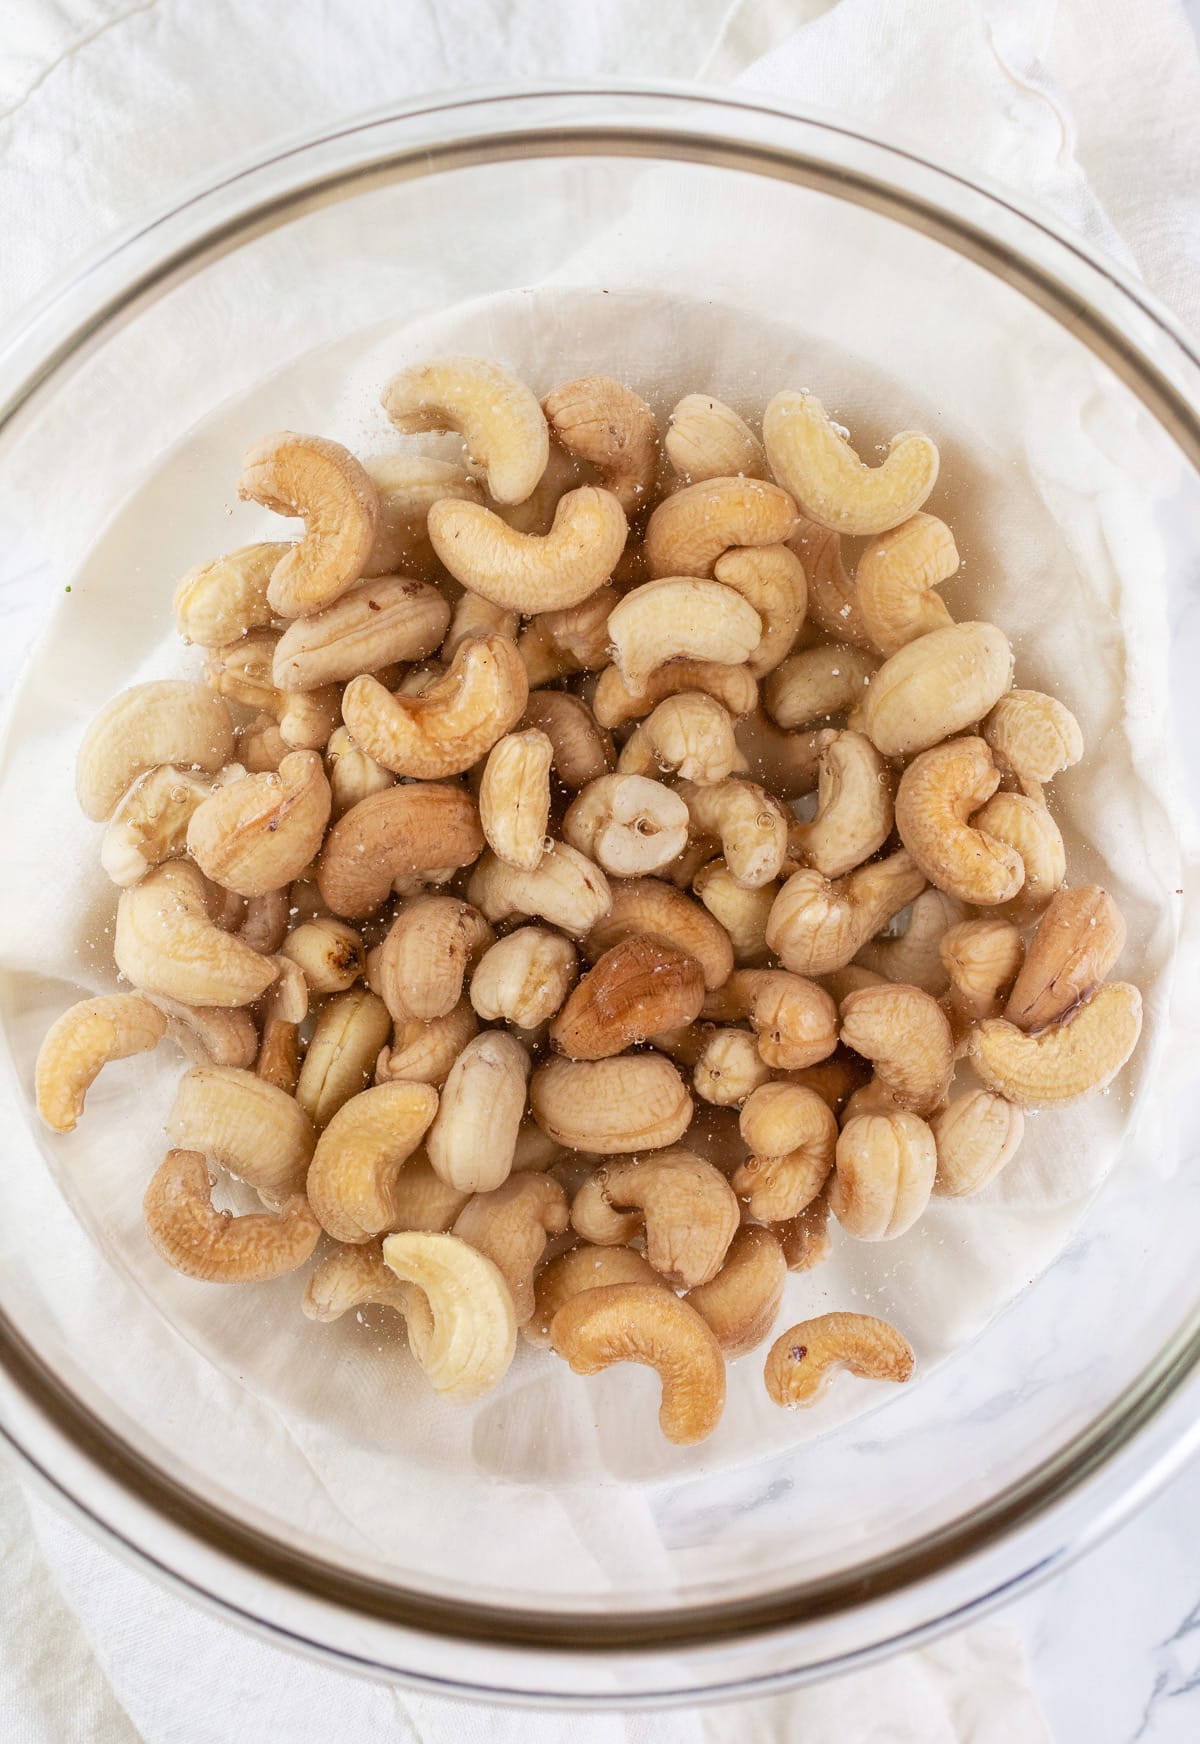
<point>635,1102</point>
<point>707,439</point>
<point>323,483</point>
<point>523,978</point>
<point>474,616</point>
<point>329,954</point>
<point>740,1304</point>
<point>905,1035</point>
<point>532,572</point>
<point>687,1207</point>
<point>628,824</point>
<point>771,579</point>
<point>1077,942</point>
<point>82,1042</point>
<point>258,834</point>
<point>982,958</point>
<point>209,1035</point>
<point>791,1135</point>
<point>814,461</point>
<point>1035,736</point>
<point>583,751</point>
<point>885,1167</point>
<point>512,1225</point>
<point>355,1277</point>
<point>1026,826</point>
<point>407,486</point>
<point>514,798</point>
<point>1081,1053</point>
<point>471,1142</point>
<point>976,1135</point>
<point>498,418</point>
<point>373,624</point>
<point>640,988</point>
<point>167,721</point>
<point>216,1246</point>
<point>936,686</point>
<point>255,1130</point>
<point>895,579</point>
<point>689,734</point>
<point>832,596</point>
<point>219,601</point>
<point>855,808</point>
<point>422,1200</point>
<point>804,1359</point>
<point>150,824</point>
<point>260,745</point>
<point>689,530</point>
<point>462,1328</point>
<point>613,429</point>
<point>565,888</point>
<point>451,724</point>
<point>749,823</point>
<point>351,1028</point>
<point>818,924</point>
<point>360,1154</point>
<point>165,943</point>
<point>242,671</point>
<point>680,617</point>
<point>938,792</point>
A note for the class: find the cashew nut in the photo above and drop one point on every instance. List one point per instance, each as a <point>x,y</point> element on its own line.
<point>242,672</point>
<point>359,1157</point>
<point>219,601</point>
<point>817,925</point>
<point>982,958</point>
<point>796,1021</point>
<point>354,1277</point>
<point>451,724</point>
<point>615,702</point>
<point>423,1053</point>
<point>565,889</point>
<point>1033,735</point>
<point>190,1235</point>
<point>637,989</point>
<point>461,1327</point>
<point>787,763</point>
<point>749,823</point>
<point>905,1035</point>
<point>254,1130</point>
<point>740,1304</point>
<point>524,978</point>
<point>635,1102</point>
<point>556,644</point>
<point>1025,825</point>
<point>284,1009</point>
<point>803,1360</point>
<point>689,733</point>
<point>741,912</point>
<point>341,1056</point>
<point>706,439</point>
<point>260,745</point>
<point>613,429</point>
<point>352,774</point>
<point>1080,1053</point>
<point>323,483</point>
<point>647,905</point>
<point>1077,942</point>
<point>680,617</point>
<point>937,794</point>
<point>689,530</point>
<point>914,956</point>
<point>854,807</point>
<point>818,682</point>
<point>258,834</point>
<point>791,1134</point>
<point>644,1324</point>
<point>210,1036</point>
<point>398,833</point>
<point>498,418</point>
<point>514,798</point>
<point>815,462</point>
<point>895,579</point>
<point>727,1067</point>
<point>687,1206</point>
<point>471,1142</point>
<point>936,686</point>
<point>422,1200</point>
<point>373,624</point>
<point>583,751</point>
<point>263,922</point>
<point>805,1238</point>
<point>150,824</point>
<point>511,1225</point>
<point>975,1135</point>
<point>328,952</point>
<point>588,1267</point>
<point>81,1042</point>
<point>885,1168</point>
<point>832,595</point>
<point>426,956</point>
<point>165,943</point>
<point>168,721</point>
<point>407,486</point>
<point>532,572</point>
<point>628,824</point>
<point>771,579</point>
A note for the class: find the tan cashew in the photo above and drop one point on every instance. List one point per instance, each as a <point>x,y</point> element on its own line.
<point>208,1035</point>
<point>500,421</point>
<point>83,1041</point>
<point>740,1304</point>
<point>449,726</point>
<point>391,618</point>
<point>165,943</point>
<point>613,429</point>
<point>743,913</point>
<point>771,579</point>
<point>190,1235</point>
<point>938,792</point>
<point>805,1239</point>
<point>982,958</point>
<point>242,672</point>
<point>689,530</point>
<point>511,1225</point>
<point>328,952</point>
<point>936,686</point>
<point>323,483</point>
<point>914,956</point>
<point>628,824</point>
<point>219,601</point>
<point>352,774</point>
<point>679,617</point>
<point>151,822</point>
<point>796,1021</point>
<point>787,763</point>
<point>804,1359</point>
<point>832,596</point>
<point>885,1168</point>
<point>1025,825</point>
<point>351,1028</point>
<point>258,834</point>
<point>260,745</point>
<point>583,751</point>
<point>532,572</point>
<point>749,823</point>
<point>689,733</point>
<point>474,616</point>
<point>423,1053</point>
<point>256,1131</point>
<point>428,952</point>
<point>975,1135</point>
<point>1033,735</point>
<point>635,1102</point>
<point>817,925</point>
<point>615,703</point>
<point>168,721</point>
<point>854,807</point>
<point>813,459</point>
<point>728,1067</point>
<point>687,1206</point>
<point>461,1327</point>
<point>839,983</point>
<point>647,905</point>
<point>359,1157</point>
<point>570,1274</point>
<point>471,1142</point>
<point>523,978</point>
<point>636,990</point>
<point>1080,1053</point>
<point>514,798</point>
<point>791,1134</point>
<point>284,1009</point>
<point>566,889</point>
<point>407,486</point>
<point>905,1035</point>
<point>398,833</point>
<point>817,683</point>
<point>422,1200</point>
<point>354,1277</point>
<point>264,922</point>
<point>555,644</point>
<point>895,579</point>
<point>1077,942</point>
<point>706,439</point>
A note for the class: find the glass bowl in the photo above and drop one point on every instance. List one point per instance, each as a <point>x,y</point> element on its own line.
<point>315,1495</point>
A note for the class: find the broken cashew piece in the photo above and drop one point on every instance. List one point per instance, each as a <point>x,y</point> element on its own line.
<point>648,905</point>
<point>740,1304</point>
<point>150,824</point>
<point>690,529</point>
<point>791,1134</point>
<point>638,989</point>
<point>167,721</point>
<point>1035,736</point>
<point>532,572</point>
<point>634,1102</point>
<point>1077,942</point>
<point>613,429</point>
<point>523,978</point>
<point>749,823</point>
<point>82,1042</point>
<point>815,462</point>
<point>216,1246</point>
<point>976,1135</point>
<point>885,1166</point>
<point>258,834</point>
<point>587,1267</point>
<point>284,1009</point>
<point>511,1225</point>
<point>462,1328</point>
<point>938,792</point>
<point>471,1142</point>
<point>451,724</point>
<point>679,617</point>
<point>425,958</point>
<point>165,943</point>
<point>895,579</point>
<point>256,1131</point>
<point>803,1360</point>
<point>707,439</point>
<point>324,484</point>
<point>629,824</point>
<point>514,798</point>
<point>855,808</point>
<point>565,888</point>
<point>401,832</point>
<point>360,1154</point>
<point>817,925</point>
<point>1080,1053</point>
<point>500,421</point>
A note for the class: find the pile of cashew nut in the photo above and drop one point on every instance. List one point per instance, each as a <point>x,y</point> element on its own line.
<point>526,880</point>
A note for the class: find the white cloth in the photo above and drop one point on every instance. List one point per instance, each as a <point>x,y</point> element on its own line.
<point>141,100</point>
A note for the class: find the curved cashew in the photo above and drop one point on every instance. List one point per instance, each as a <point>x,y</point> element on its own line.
<point>905,1035</point>
<point>354,1277</point>
<point>401,832</point>
<point>254,1130</point>
<point>885,1168</point>
<point>210,1036</point>
<point>341,1055</point>
<point>1077,942</point>
<point>792,1135</point>
<point>741,912</point>
<point>805,1238</point>
<point>1080,1053</point>
<point>749,823</point>
<point>982,958</point>
<point>258,834</point>
<point>1035,736</point>
<point>787,763</point>
<point>219,601</point>
<point>637,989</point>
<point>461,1328</point>
<point>166,944</point>
<point>328,953</point>
<point>816,925</point>
<point>565,889</point>
<point>570,1274</point>
<point>260,745</point>
<point>635,1102</point>
<point>728,1067</point>
<point>391,618</point>
<point>523,979</point>
<point>628,824</point>
<point>407,486</point>
<point>740,1304</point>
<point>839,983</point>
<point>818,682</point>
<point>680,617</point>
<point>423,1053</point>
<point>688,733</point>
<point>83,1041</point>
<point>474,616</point>
<point>556,644</point>
<point>796,1021</point>
<point>168,721</point>
<point>937,794</point>
<point>1025,825</point>
<point>498,418</point>
<point>532,572</point>
<point>936,686</point>
<point>895,579</point>
<point>150,824</point>
<point>242,672</point>
<point>686,1205</point>
<point>975,1135</point>
<point>832,595</point>
<point>200,1242</point>
<point>613,429</point>
<point>511,1225</point>
<point>689,530</point>
<point>360,1154</point>
<point>803,1360</point>
<point>873,1097</point>
<point>914,956</point>
<point>854,807</point>
<point>323,483</point>
<point>449,726</point>
<point>647,905</point>
<point>471,1142</point>
<point>352,774</point>
<point>644,1324</point>
<point>815,462</point>
<point>514,798</point>
<point>583,751</point>
<point>426,956</point>
<point>706,439</point>
<point>770,578</point>
<point>615,703</point>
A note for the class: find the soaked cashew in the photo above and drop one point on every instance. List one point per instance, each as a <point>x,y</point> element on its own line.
<point>556,644</point>
<point>352,774</point>
<point>1077,942</point>
<point>1080,1053</point>
<point>741,912</point>
<point>706,439</point>
<point>264,921</point>
<point>636,1102</point>
<point>938,792</point>
<point>260,745</point>
<point>647,905</point>
<point>219,601</point>
<point>936,686</point>
<point>328,952</point>
<point>407,486</point>
<point>832,595</point>
<point>914,956</point>
<point>976,1135</point>
<point>805,1239</point>
<point>583,751</point>
<point>1025,825</point>
<point>981,958</point>
<point>511,1225</point>
<point>818,682</point>
<point>391,618</point>
<point>242,672</point>
<point>401,832</point>
<point>165,943</point>
<point>532,572</point>
<point>254,1130</point>
<point>1033,735</point>
<point>803,1360</point>
<point>471,1142</point>
<point>689,530</point>
<point>796,1021</point>
<point>514,798</point>
<point>359,1157</point>
<point>733,687</point>
<point>896,577</point>
<point>637,990</point>
<point>82,1042</point>
<point>687,1206</point>
<point>341,1055</point>
<point>168,721</point>
<point>500,421</point>
<point>354,1277</point>
<point>613,429</point>
<point>570,1274</point>
<point>423,1053</point>
<point>905,1035</point>
<point>749,823</point>
<point>150,824</point>
<point>815,462</point>
<point>771,579</point>
<point>451,724</point>
<point>689,734</point>
<point>565,888</point>
<point>523,979</point>
<point>787,763</point>
<point>428,952</point>
<point>791,1134</point>
<point>817,925</point>
<point>885,1167</point>
<point>854,807</point>
<point>678,617</point>
<point>209,1036</point>
<point>258,834</point>
<point>201,1242</point>
<point>323,483</point>
<point>740,1304</point>
<point>628,824</point>
<point>461,1326</point>
<point>727,1067</point>
<point>284,1009</point>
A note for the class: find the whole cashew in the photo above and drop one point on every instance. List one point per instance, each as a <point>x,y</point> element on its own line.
<point>449,726</point>
<point>565,889</point>
<point>359,1157</point>
<point>514,798</point>
<point>200,1242</point>
<point>832,595</point>
<point>678,617</point>
<point>1077,942</point>
<point>355,1277</point>
<point>1026,826</point>
<point>587,1267</point>
<point>260,745</point>
<point>855,808</point>
<point>258,834</point>
<point>351,1028</point>
<point>628,824</point>
<point>256,1131</point>
<point>462,1328</point>
<point>936,686</point>
<point>430,948</point>
<point>817,683</point>
<point>1035,736</point>
<point>150,824</point>
<point>219,601</point>
<point>615,702</point>
<point>391,618</point>
<point>832,486</point>
<point>583,751</point>
<point>817,925</point>
<point>749,823</point>
<point>905,1035</point>
<point>323,483</point>
<point>803,1360</point>
<point>772,580</point>
<point>914,956</point>
<point>982,958</point>
<point>471,1142</point>
<point>635,1102</point>
<point>796,1021</point>
<point>741,912</point>
<point>523,978</point>
<point>740,1304</point>
<point>637,989</point>
<point>532,572</point>
<point>647,905</point>
<point>511,1225</point>
<point>938,792</point>
<point>885,1168</point>
<point>791,1135</point>
<point>975,1135</point>
<point>498,418</point>
<point>423,1053</point>
<point>208,1035</point>
<point>352,774</point>
<point>689,733</point>
<point>1080,1053</point>
<point>689,530</point>
<point>555,644</point>
<point>895,579</point>
<point>423,1200</point>
<point>728,1067</point>
<point>165,943</point>
<point>707,439</point>
<point>82,1042</point>
<point>168,721</point>
<point>407,486</point>
<point>613,429</point>
<point>398,833</point>
<point>328,952</point>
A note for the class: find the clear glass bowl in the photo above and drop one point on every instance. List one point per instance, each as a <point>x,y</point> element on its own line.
<point>174,1422</point>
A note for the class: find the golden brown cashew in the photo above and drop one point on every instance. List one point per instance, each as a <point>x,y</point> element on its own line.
<point>905,1035</point>
<point>616,703</point>
<point>805,1239</point>
<point>449,726</point>
<point>679,617</point>
<point>913,956</point>
<point>471,1142</point>
<point>200,1242</point>
<point>565,889</point>
<point>461,1326</point>
<point>629,824</point>
<point>936,686</point>
<point>637,989</point>
<point>727,1067</point>
<point>938,792</point>
<point>431,946</point>
<point>257,1132</point>
<point>323,483</point>
<point>804,1359</point>
<point>168,721</point>
<point>423,1053</point>
<point>352,774</point>
<point>740,1304</point>
<point>1025,825</point>
<point>150,824</point>
<point>817,925</point>
<point>399,833</point>
<point>532,572</point>
<point>83,1041</point>
<point>407,486</point>
<point>981,958</point>
<point>1077,942</point>
<point>854,807</point>
<point>258,834</point>
<point>354,1277</point>
<point>815,462</point>
<point>796,1021</point>
<point>391,618</point>
<point>583,751</point>
<point>832,596</point>
<point>791,1135</point>
<point>1035,736</point>
<point>165,943</point>
<point>689,530</point>
<point>555,644</point>
<point>635,1102</point>
<point>706,439</point>
<point>771,579</point>
<point>511,1225</point>
<point>743,913</point>
<point>885,1168</point>
<point>976,1135</point>
<point>351,1029</point>
<point>514,798</point>
<point>523,979</point>
<point>500,421</point>
<point>647,905</point>
<point>818,682</point>
<point>1080,1053</point>
<point>896,577</point>
<point>329,954</point>
<point>587,1267</point>
<point>749,823</point>
<point>219,601</point>
<point>643,1324</point>
<point>689,734</point>
<point>613,429</point>
<point>359,1157</point>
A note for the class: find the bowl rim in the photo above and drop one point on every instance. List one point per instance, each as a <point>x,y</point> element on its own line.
<point>1087,1487</point>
